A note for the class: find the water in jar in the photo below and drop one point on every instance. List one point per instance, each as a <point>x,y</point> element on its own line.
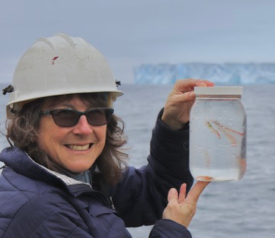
<point>218,140</point>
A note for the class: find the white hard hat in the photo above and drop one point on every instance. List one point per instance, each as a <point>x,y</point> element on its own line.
<point>60,65</point>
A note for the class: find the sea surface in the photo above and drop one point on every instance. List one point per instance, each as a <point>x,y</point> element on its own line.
<point>243,209</point>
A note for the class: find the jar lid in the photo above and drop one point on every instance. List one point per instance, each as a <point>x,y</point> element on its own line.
<point>219,90</point>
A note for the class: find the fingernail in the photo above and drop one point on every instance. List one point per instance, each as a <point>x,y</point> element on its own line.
<point>172,191</point>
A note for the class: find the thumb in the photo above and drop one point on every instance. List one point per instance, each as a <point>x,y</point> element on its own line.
<point>195,192</point>
<point>185,97</point>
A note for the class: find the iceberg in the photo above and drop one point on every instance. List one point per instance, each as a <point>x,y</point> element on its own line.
<point>220,74</point>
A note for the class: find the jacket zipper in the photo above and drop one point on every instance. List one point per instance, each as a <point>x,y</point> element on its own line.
<point>112,203</point>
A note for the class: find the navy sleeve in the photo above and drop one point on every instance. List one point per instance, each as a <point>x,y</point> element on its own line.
<point>46,218</point>
<point>169,229</point>
<point>142,195</point>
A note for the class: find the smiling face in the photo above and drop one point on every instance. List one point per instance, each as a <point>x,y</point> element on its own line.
<point>74,148</point>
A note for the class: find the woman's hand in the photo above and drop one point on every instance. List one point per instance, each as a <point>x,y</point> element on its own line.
<point>181,209</point>
<point>178,105</point>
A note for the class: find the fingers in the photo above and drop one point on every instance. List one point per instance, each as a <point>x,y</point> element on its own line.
<point>182,194</point>
<point>186,85</point>
<point>193,195</point>
<point>181,209</point>
<point>206,83</point>
<point>184,89</point>
<point>172,195</point>
<point>195,192</point>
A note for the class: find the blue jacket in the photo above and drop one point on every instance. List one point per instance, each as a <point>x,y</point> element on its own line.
<point>37,202</point>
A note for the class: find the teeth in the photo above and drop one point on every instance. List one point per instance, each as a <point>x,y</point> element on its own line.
<point>79,147</point>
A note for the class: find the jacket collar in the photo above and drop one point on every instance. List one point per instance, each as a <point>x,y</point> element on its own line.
<point>21,163</point>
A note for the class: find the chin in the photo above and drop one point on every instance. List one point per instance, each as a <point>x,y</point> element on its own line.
<point>78,168</point>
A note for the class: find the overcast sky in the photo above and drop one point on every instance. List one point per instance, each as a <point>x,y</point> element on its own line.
<point>134,32</point>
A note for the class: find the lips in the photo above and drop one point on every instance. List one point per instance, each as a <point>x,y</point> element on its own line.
<point>79,147</point>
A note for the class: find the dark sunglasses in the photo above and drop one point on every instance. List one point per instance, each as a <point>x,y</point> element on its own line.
<point>69,117</point>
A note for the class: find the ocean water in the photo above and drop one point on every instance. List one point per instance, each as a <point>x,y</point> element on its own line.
<point>243,209</point>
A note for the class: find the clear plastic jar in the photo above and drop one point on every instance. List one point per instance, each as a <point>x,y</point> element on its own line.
<point>218,134</point>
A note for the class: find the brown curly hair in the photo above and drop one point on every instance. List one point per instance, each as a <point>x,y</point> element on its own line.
<point>22,130</point>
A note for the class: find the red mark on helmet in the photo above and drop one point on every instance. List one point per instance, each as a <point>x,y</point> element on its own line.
<point>53,59</point>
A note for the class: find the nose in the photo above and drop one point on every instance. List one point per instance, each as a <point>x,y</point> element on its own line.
<point>83,127</point>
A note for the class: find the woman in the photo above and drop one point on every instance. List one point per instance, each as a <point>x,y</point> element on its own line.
<point>65,173</point>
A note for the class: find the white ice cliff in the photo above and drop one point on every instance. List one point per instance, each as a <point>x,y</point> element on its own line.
<point>223,74</point>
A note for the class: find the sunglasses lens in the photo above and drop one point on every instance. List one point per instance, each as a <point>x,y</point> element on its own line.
<point>69,118</point>
<point>65,118</point>
<point>98,117</point>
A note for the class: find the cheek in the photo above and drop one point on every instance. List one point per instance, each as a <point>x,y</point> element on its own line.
<point>102,134</point>
<point>44,140</point>
<point>46,134</point>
